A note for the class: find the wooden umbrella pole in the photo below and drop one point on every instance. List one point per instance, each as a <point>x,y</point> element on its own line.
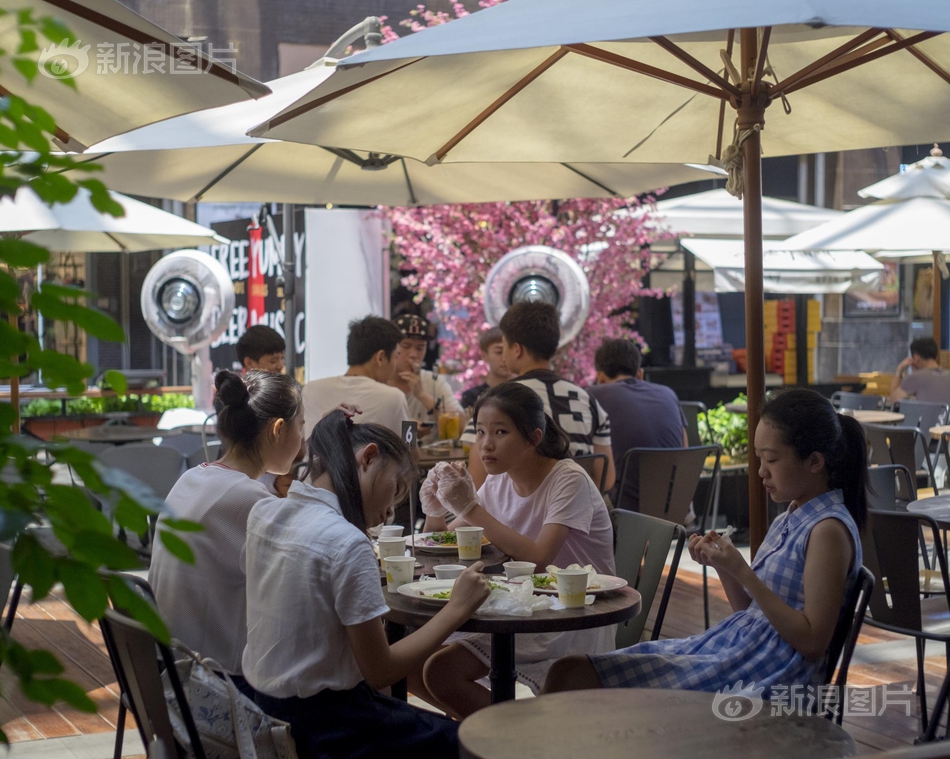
<point>937,291</point>
<point>751,111</point>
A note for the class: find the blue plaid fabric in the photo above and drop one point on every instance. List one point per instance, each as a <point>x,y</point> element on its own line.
<point>744,646</point>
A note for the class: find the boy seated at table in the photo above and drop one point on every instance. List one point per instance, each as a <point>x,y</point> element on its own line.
<point>493,356</point>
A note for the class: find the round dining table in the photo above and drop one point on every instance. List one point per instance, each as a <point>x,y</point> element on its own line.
<point>869,416</point>
<point>654,723</point>
<point>607,609</point>
<point>937,508</point>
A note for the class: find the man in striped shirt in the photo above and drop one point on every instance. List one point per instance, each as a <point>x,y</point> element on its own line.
<point>530,336</point>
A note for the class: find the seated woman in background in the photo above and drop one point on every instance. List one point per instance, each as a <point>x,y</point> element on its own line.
<point>536,505</point>
<point>260,421</point>
<point>316,649</point>
<point>788,602</point>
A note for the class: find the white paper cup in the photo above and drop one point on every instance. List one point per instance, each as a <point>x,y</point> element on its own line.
<point>470,542</point>
<point>391,531</point>
<point>448,571</point>
<point>398,571</point>
<point>571,587</point>
<point>391,547</point>
<point>515,569</point>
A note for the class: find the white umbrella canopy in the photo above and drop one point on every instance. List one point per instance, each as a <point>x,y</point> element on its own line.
<point>636,80</point>
<point>78,226</point>
<point>716,213</point>
<point>113,94</point>
<point>929,178</point>
<point>563,80</point>
<point>207,156</point>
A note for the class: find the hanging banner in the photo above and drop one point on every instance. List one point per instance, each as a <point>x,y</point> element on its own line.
<point>254,262</point>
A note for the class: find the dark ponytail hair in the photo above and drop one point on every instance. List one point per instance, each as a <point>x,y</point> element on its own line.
<point>246,403</point>
<point>809,424</point>
<point>526,410</point>
<point>332,447</point>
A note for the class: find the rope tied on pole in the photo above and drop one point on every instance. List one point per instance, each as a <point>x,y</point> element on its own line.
<point>732,159</point>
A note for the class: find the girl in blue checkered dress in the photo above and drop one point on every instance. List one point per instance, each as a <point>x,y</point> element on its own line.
<point>787,603</point>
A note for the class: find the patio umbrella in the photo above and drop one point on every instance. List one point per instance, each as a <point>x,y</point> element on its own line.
<point>634,80</point>
<point>77,226</point>
<point>128,71</point>
<point>912,218</point>
<point>207,156</point>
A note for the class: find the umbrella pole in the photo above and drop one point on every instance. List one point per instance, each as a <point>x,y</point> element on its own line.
<point>751,112</point>
<point>937,292</point>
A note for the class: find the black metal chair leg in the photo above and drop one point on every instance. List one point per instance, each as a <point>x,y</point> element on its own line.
<point>922,683</point>
<point>705,596</point>
<point>119,731</point>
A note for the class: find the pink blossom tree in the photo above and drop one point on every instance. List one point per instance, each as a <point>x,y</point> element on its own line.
<point>448,251</point>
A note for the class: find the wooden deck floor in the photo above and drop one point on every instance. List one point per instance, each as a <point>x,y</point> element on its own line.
<point>882,660</point>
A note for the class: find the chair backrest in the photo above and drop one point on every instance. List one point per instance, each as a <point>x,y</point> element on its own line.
<point>902,444</point>
<point>923,416</point>
<point>132,649</point>
<point>857,401</point>
<point>187,443</point>
<point>844,639</point>
<point>589,461</point>
<point>890,544</point>
<point>642,545</point>
<point>693,411</point>
<point>668,479</point>
<point>156,466</point>
<point>210,452</point>
<point>888,484</point>
<point>181,417</point>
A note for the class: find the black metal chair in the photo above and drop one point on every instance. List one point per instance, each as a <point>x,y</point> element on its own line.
<point>923,416</point>
<point>890,444</point>
<point>857,401</point>
<point>694,411</point>
<point>589,461</point>
<point>10,587</point>
<point>668,478</point>
<point>843,642</point>
<point>890,542</point>
<point>891,487</point>
<point>135,656</point>
<point>641,547</point>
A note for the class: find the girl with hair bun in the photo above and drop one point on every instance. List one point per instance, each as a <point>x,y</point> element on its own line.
<point>536,505</point>
<point>787,603</point>
<point>316,651</point>
<point>260,421</point>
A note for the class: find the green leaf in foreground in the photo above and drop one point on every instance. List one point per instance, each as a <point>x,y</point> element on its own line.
<point>126,598</point>
<point>117,381</point>
<point>84,588</point>
<point>177,547</point>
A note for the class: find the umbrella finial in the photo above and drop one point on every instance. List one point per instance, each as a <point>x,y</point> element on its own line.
<point>935,151</point>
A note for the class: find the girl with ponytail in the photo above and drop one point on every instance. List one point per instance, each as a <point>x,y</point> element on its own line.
<point>316,651</point>
<point>260,421</point>
<point>788,602</point>
<point>536,505</point>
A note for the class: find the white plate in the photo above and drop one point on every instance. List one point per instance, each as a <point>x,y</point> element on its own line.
<point>420,546</point>
<point>606,583</point>
<point>423,590</point>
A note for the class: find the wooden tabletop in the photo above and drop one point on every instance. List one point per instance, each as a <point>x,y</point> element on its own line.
<point>117,433</point>
<point>33,393</point>
<point>619,723</point>
<point>874,417</point>
<point>607,609</point>
<point>737,408</point>
<point>939,431</point>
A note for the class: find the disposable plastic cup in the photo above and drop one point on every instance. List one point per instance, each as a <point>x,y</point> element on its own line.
<point>571,587</point>
<point>448,571</point>
<point>515,569</point>
<point>391,547</point>
<point>469,542</point>
<point>391,531</point>
<point>398,571</point>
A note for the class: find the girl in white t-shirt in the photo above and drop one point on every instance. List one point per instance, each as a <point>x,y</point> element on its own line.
<point>316,649</point>
<point>260,421</point>
<point>535,505</point>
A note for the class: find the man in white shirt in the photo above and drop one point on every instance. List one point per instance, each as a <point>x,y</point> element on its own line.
<point>428,395</point>
<point>369,353</point>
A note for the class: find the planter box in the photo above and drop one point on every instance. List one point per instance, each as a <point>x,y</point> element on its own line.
<point>46,427</point>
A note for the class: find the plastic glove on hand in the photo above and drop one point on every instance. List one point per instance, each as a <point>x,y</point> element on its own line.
<point>429,498</point>
<point>456,491</point>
